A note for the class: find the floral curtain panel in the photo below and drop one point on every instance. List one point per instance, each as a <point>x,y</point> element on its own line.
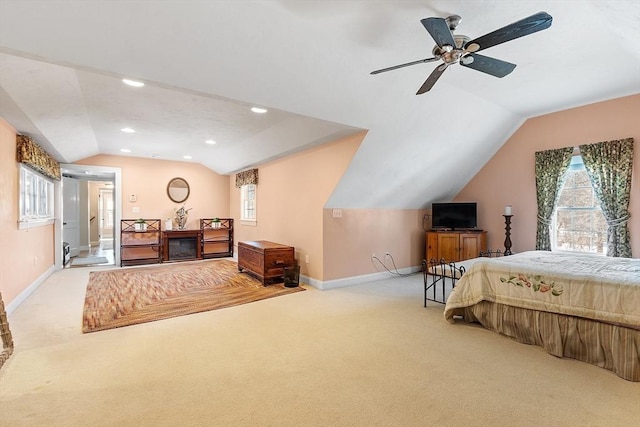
<point>609,165</point>
<point>31,154</point>
<point>550,168</point>
<point>246,177</point>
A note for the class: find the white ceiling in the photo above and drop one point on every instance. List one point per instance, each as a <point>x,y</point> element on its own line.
<point>206,62</point>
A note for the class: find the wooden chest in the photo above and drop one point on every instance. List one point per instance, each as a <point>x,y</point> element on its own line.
<point>265,259</point>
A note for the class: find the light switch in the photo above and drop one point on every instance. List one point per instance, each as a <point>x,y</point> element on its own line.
<point>337,213</point>
<point>135,209</point>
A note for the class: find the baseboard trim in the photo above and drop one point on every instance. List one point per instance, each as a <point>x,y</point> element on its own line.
<point>22,296</point>
<point>354,280</point>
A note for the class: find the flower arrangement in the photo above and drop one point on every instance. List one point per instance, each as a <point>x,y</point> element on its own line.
<point>181,217</point>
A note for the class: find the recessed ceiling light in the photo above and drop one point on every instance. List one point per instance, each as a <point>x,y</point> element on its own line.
<point>125,150</point>
<point>258,110</point>
<point>132,83</point>
<point>127,130</point>
<point>187,157</point>
<point>210,141</point>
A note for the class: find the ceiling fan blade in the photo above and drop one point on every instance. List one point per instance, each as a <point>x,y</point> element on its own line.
<point>532,24</point>
<point>439,30</point>
<point>395,67</point>
<point>493,66</point>
<point>432,79</point>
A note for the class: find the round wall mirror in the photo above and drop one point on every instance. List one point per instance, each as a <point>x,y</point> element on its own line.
<point>178,190</point>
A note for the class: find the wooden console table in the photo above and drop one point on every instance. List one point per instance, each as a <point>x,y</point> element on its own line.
<point>181,245</point>
<point>265,259</point>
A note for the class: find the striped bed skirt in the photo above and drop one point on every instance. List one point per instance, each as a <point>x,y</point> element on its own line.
<point>609,346</point>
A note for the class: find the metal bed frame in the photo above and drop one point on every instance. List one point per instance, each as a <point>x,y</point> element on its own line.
<point>442,270</point>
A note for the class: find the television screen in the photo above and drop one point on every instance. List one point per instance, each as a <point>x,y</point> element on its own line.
<point>454,215</point>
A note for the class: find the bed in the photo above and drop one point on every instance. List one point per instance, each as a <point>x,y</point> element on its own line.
<point>581,306</point>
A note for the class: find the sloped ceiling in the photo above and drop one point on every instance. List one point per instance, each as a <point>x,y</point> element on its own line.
<point>205,63</point>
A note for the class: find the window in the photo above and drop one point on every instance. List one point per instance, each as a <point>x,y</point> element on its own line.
<point>36,198</point>
<point>248,202</point>
<point>578,224</point>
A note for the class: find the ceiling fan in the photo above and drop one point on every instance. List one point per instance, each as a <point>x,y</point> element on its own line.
<point>452,49</point>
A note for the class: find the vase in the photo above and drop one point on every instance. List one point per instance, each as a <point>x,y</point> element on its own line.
<point>182,222</point>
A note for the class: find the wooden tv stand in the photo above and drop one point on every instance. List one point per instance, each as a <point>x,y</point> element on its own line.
<point>455,245</point>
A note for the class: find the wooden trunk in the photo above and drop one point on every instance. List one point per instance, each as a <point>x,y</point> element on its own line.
<point>265,259</point>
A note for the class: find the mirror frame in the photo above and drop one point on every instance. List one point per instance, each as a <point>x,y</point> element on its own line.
<point>169,190</point>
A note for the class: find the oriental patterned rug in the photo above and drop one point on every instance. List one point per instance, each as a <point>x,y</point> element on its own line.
<point>129,296</point>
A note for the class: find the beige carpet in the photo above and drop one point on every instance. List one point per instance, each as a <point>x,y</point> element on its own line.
<point>365,355</point>
<point>123,297</point>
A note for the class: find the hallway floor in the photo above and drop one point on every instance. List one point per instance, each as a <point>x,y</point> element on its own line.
<point>104,250</point>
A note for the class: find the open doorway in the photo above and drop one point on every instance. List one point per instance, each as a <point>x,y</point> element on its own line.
<point>88,218</point>
<point>98,212</point>
<point>101,248</point>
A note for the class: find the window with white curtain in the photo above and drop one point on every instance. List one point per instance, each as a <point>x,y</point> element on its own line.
<point>36,198</point>
<point>248,204</point>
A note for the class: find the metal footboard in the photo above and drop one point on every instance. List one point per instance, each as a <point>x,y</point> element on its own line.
<point>440,272</point>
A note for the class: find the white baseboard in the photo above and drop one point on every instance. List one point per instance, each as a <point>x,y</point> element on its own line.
<point>22,296</point>
<point>355,280</point>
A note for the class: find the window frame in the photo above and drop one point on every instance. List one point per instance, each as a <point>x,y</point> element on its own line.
<point>35,208</point>
<point>249,203</point>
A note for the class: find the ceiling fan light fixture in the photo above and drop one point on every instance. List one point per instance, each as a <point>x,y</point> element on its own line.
<point>132,83</point>
<point>258,110</point>
<point>128,130</point>
<point>473,47</point>
<point>210,142</point>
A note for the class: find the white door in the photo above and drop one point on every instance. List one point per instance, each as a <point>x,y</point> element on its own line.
<point>105,212</point>
<point>71,214</point>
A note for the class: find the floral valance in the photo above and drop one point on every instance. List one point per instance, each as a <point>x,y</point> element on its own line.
<point>246,177</point>
<point>32,155</point>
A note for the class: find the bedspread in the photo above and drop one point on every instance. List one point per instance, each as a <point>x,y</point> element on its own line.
<point>590,286</point>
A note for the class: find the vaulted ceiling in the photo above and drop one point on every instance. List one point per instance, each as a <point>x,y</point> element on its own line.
<point>205,63</point>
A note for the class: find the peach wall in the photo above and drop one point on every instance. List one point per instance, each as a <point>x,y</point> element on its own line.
<point>25,255</point>
<point>291,195</point>
<point>509,177</point>
<point>352,239</point>
<point>148,179</point>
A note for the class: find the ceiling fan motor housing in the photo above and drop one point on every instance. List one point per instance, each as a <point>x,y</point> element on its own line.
<point>453,54</point>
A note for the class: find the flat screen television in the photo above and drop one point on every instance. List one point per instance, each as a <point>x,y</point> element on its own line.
<point>454,216</point>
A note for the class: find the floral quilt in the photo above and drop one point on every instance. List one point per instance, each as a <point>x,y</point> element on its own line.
<point>585,285</point>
